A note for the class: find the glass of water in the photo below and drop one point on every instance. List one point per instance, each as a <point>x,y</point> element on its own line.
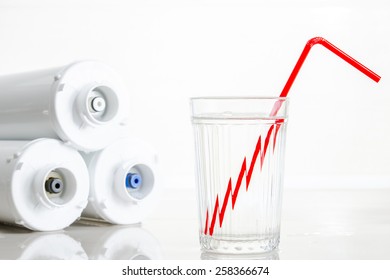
<point>239,151</point>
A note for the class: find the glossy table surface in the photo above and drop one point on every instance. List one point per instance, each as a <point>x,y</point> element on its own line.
<point>316,224</point>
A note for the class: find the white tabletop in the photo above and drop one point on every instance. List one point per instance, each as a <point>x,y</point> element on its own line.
<point>316,224</point>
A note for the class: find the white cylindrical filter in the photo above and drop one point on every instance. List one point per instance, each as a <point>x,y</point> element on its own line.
<point>123,179</point>
<point>39,246</point>
<point>44,184</point>
<point>103,242</point>
<point>82,103</point>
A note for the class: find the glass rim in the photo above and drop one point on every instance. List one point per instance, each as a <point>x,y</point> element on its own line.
<point>239,98</point>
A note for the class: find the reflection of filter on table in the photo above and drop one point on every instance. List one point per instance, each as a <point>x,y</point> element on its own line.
<point>43,185</point>
<point>40,246</point>
<point>116,242</point>
<point>82,103</point>
<point>123,180</point>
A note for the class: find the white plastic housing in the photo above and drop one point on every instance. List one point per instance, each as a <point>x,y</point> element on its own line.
<point>116,242</point>
<point>109,198</point>
<point>82,103</point>
<point>25,168</point>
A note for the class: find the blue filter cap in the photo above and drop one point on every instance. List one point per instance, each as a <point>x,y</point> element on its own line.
<point>133,180</point>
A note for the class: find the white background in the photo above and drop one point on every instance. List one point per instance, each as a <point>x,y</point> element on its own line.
<point>168,51</point>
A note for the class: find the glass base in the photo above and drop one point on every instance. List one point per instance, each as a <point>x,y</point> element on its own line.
<point>242,245</point>
<point>273,255</point>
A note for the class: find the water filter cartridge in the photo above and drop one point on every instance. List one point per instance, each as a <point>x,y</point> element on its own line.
<point>82,103</point>
<point>123,179</point>
<point>44,184</point>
